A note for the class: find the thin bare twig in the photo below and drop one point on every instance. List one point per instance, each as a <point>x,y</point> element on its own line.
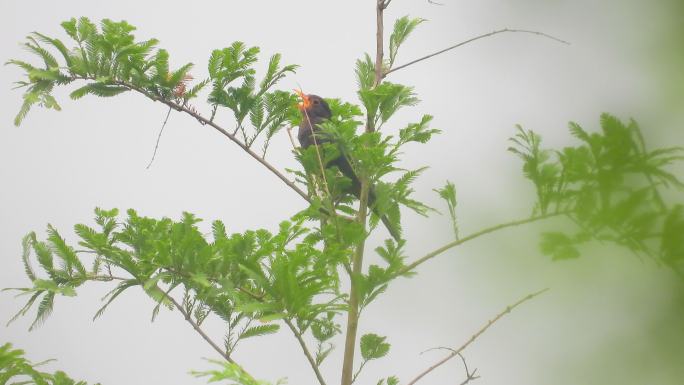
<point>472,40</point>
<point>359,371</point>
<point>156,146</point>
<point>470,376</point>
<point>456,352</point>
<point>289,134</point>
<point>306,351</point>
<point>205,121</point>
<point>434,2</point>
<point>470,237</point>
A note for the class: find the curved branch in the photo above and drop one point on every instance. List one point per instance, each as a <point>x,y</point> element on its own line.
<point>218,128</point>
<point>472,40</point>
<point>458,351</point>
<point>470,237</point>
<point>199,330</point>
<point>306,351</point>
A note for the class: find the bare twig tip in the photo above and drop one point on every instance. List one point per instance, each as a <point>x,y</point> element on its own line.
<point>538,33</point>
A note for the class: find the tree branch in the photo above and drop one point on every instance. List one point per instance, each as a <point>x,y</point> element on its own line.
<point>470,376</point>
<point>353,310</point>
<point>306,351</point>
<point>472,40</point>
<point>457,352</point>
<point>357,260</point>
<point>258,298</point>
<point>218,128</point>
<point>200,331</point>
<point>379,43</point>
<point>470,237</point>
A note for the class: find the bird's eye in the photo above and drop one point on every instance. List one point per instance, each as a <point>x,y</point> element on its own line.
<point>316,101</point>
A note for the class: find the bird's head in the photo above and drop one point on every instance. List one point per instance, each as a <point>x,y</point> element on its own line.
<point>313,106</point>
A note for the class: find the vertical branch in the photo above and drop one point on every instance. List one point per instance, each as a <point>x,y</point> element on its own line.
<point>379,41</point>
<point>357,261</point>
<point>353,310</point>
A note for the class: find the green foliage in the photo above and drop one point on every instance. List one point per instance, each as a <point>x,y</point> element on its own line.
<point>365,73</point>
<point>559,246</point>
<point>392,380</point>
<point>258,280</point>
<point>384,100</point>
<point>15,369</point>
<point>378,278</point>
<point>448,194</point>
<point>255,276</point>
<point>373,347</point>
<point>609,185</point>
<point>231,373</point>
<point>232,75</point>
<point>111,61</point>
<point>372,155</point>
<point>402,29</point>
<point>324,329</point>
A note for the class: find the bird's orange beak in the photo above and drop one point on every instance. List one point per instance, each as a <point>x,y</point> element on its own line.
<point>305,103</point>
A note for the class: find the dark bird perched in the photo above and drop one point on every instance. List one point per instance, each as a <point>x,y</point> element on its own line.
<point>315,110</point>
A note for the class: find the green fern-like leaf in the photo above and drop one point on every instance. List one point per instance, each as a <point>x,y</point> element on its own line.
<point>260,330</point>
<point>373,346</point>
<point>44,310</point>
<point>402,29</point>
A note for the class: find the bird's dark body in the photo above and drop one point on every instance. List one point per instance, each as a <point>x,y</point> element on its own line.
<point>317,112</point>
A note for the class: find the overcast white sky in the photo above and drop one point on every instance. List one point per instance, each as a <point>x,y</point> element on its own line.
<point>57,167</point>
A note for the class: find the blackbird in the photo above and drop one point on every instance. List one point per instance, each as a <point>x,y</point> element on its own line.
<point>315,110</point>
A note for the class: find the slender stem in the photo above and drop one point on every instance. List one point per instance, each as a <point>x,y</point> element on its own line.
<point>156,146</point>
<point>306,351</point>
<point>470,237</point>
<point>470,41</point>
<point>357,261</point>
<point>359,371</point>
<point>200,331</point>
<point>218,128</point>
<point>379,41</point>
<point>295,332</point>
<point>106,278</point>
<point>469,375</point>
<point>656,193</point>
<point>353,311</point>
<point>456,352</point>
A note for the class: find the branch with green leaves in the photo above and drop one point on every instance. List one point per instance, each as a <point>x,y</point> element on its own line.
<point>609,186</point>
<point>16,369</point>
<point>111,61</point>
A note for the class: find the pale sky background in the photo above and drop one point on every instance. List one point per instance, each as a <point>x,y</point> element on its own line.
<point>58,166</point>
